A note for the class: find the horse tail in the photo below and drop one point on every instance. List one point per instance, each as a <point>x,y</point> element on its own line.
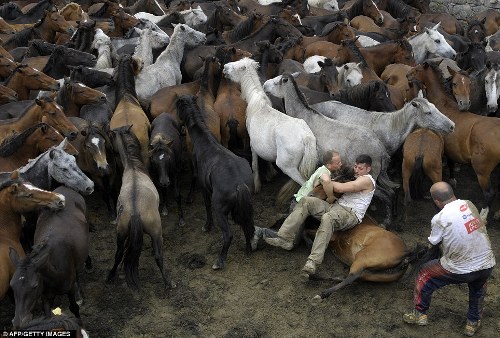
<point>242,212</point>
<point>234,141</point>
<point>134,248</point>
<point>286,192</point>
<point>383,178</point>
<point>417,178</point>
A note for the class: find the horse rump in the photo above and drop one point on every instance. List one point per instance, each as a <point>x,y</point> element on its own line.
<point>242,213</point>
<point>134,248</point>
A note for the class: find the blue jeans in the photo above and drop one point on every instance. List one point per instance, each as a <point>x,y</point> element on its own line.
<point>433,276</point>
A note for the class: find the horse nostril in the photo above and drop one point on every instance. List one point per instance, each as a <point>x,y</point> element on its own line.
<point>72,135</point>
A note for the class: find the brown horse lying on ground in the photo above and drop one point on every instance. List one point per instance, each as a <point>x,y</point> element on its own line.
<point>373,253</point>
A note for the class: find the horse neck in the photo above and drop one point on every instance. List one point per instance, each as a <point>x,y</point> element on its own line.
<point>69,106</point>
<point>419,53</point>
<point>16,83</point>
<point>47,33</point>
<point>173,52</point>
<point>253,93</point>
<point>11,225</point>
<point>104,57</point>
<point>294,106</point>
<point>143,50</point>
<point>30,117</point>
<point>37,172</point>
<point>437,95</point>
<point>402,122</point>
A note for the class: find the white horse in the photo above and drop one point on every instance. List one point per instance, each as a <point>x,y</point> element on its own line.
<point>350,75</point>
<point>194,16</point>
<point>102,43</point>
<point>492,87</point>
<point>331,5</point>
<point>274,136</point>
<point>166,70</point>
<point>311,63</point>
<point>366,41</point>
<point>430,42</point>
<point>159,38</point>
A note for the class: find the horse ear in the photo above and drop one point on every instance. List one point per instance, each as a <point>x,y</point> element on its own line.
<point>483,21</point>
<point>14,175</point>
<point>38,102</point>
<point>436,26</point>
<point>321,63</point>
<point>451,71</point>
<point>296,74</point>
<point>14,257</point>
<point>83,132</point>
<point>420,94</point>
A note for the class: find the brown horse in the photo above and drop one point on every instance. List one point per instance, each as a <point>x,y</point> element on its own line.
<point>28,145</point>
<point>490,19</point>
<point>5,28</point>
<point>7,66</point>
<point>122,23</point>
<point>128,111</point>
<point>74,94</point>
<point>367,25</point>
<point>45,110</point>
<point>395,75</point>
<point>25,78</point>
<point>18,197</point>
<point>7,95</point>
<point>473,140</point>
<point>422,151</point>
<point>449,23</point>
<point>377,57</point>
<point>253,23</point>
<point>72,12</point>
<point>373,253</point>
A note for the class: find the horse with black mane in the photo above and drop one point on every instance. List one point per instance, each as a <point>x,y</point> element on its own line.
<point>226,179</point>
<point>373,96</point>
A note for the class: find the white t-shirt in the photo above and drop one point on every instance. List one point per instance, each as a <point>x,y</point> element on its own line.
<point>464,240</point>
<point>358,201</point>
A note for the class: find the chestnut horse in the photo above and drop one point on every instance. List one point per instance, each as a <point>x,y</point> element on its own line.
<point>7,95</point>
<point>373,253</point>
<point>15,152</point>
<point>45,110</point>
<point>473,140</point>
<point>25,78</point>
<point>16,197</point>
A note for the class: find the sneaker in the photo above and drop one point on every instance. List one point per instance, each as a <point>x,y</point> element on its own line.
<point>257,235</point>
<point>471,327</point>
<point>415,317</point>
<point>279,242</point>
<point>309,268</point>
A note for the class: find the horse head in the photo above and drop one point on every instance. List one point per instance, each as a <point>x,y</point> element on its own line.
<point>492,86</point>
<point>162,158</point>
<point>435,43</point>
<point>428,116</point>
<point>461,87</point>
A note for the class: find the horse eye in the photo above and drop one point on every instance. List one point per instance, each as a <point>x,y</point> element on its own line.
<point>437,41</point>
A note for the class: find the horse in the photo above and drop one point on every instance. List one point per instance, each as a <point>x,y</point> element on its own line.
<point>221,194</point>
<point>223,18</point>
<point>165,150</point>
<point>72,12</point>
<point>474,59</point>
<point>25,78</point>
<point>44,109</point>
<point>62,57</point>
<point>423,151</point>
<point>94,158</point>
<point>151,6</point>
<point>476,32</point>
<point>449,23</point>
<point>128,110</point>
<point>5,28</point>
<point>74,94</point>
<point>18,196</point>
<point>490,19</point>
<point>363,7</point>
<point>10,11</point>
<point>17,151</point>
<point>273,136</point>
<point>492,86</point>
<point>461,88</point>
<point>82,39</point>
<point>471,142</point>
<point>399,9</point>
<point>245,28</point>
<point>34,14</point>
<point>90,77</point>
<point>430,41</point>
<point>52,267</point>
<point>102,44</point>
<point>166,70</point>
<point>7,95</point>
<point>7,66</point>
<point>347,139</point>
<point>137,211</point>
<point>373,96</point>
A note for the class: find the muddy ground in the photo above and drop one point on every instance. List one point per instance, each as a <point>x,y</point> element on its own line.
<point>262,295</point>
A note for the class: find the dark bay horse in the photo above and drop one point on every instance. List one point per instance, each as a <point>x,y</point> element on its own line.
<point>16,151</point>
<point>166,150</point>
<point>17,197</point>
<point>7,95</point>
<point>52,267</point>
<point>473,140</point>
<point>373,96</point>
<point>226,179</point>
<point>137,211</point>
<point>74,94</point>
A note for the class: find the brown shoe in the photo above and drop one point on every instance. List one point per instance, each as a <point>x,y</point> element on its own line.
<point>309,268</point>
<point>415,317</point>
<point>471,327</point>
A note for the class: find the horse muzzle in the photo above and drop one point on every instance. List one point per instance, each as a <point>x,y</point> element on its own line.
<point>492,108</point>
<point>463,105</point>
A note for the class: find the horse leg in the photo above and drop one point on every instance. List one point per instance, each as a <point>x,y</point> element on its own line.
<point>386,196</point>
<point>451,168</point>
<point>356,270</point>
<point>194,173</point>
<point>255,169</point>
<point>290,166</point>
<point>208,208</point>
<point>177,193</point>
<point>120,249</point>
<point>483,172</point>
<point>88,263</point>
<point>158,253</point>
<point>221,216</point>
<point>163,191</point>
<point>73,305</point>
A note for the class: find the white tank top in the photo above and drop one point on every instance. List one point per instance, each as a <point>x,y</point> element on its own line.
<point>358,201</point>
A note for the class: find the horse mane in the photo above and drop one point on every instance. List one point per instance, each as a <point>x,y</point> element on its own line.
<point>189,112</point>
<point>41,46</point>
<point>301,95</point>
<point>356,9</point>
<point>10,181</point>
<point>132,148</point>
<point>403,43</point>
<point>124,77</point>
<point>332,27</point>
<point>445,83</point>
<point>242,29</point>
<point>349,43</point>
<point>360,92</point>
<point>289,42</point>
<point>5,9</point>
<point>13,142</point>
<point>23,37</point>
<point>399,8</point>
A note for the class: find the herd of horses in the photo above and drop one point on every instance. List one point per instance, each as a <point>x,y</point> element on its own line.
<point>116,95</point>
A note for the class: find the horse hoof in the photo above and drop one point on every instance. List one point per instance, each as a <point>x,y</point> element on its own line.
<point>218,266</point>
<point>113,222</point>
<point>164,212</point>
<point>171,285</point>
<point>317,299</point>
<point>182,223</point>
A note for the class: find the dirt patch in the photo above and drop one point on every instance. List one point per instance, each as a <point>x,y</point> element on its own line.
<point>261,295</point>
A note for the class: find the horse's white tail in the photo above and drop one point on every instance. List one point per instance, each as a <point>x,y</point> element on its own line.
<point>307,166</point>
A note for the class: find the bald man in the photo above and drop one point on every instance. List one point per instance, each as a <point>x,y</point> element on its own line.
<point>466,257</point>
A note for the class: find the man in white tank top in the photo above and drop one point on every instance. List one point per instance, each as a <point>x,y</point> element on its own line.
<point>343,214</point>
<point>467,257</point>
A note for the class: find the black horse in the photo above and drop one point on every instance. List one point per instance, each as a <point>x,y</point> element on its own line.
<point>62,57</point>
<point>165,148</point>
<point>226,179</point>
<point>373,95</point>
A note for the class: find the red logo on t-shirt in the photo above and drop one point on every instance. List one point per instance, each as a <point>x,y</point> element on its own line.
<point>472,225</point>
<point>463,207</point>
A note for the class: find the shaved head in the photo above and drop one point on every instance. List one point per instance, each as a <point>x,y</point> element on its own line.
<point>442,191</point>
